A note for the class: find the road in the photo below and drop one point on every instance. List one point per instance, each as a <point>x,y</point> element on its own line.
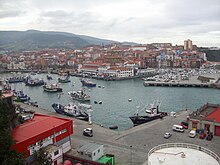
<point>132,146</point>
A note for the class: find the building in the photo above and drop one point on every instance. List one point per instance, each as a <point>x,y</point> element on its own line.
<point>41,131</point>
<point>207,117</point>
<point>56,153</point>
<point>181,154</point>
<point>120,72</point>
<point>91,151</point>
<point>188,45</point>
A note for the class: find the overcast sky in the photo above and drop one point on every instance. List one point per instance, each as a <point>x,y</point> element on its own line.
<point>142,21</point>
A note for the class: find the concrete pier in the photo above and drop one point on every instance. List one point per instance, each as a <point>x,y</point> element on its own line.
<point>132,145</point>
<point>179,84</point>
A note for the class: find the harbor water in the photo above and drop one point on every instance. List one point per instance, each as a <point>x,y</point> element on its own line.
<point>116,106</point>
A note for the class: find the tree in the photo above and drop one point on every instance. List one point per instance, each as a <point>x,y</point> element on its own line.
<point>42,157</point>
<point>7,155</point>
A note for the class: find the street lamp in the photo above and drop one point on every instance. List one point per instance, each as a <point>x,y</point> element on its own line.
<point>130,155</point>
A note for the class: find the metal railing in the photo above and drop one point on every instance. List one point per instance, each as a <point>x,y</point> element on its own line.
<point>184,145</point>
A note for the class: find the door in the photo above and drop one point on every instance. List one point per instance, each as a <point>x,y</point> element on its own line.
<point>217,130</point>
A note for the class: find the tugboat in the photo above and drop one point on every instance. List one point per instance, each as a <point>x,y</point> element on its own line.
<point>87,83</point>
<point>71,110</point>
<point>52,88</point>
<point>79,96</point>
<point>152,113</point>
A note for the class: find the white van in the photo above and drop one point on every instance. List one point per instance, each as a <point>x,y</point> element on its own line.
<point>192,133</point>
<point>178,128</point>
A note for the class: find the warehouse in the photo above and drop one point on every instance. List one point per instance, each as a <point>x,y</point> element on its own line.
<point>41,131</point>
<point>207,117</point>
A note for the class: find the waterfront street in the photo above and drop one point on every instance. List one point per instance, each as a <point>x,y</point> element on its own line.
<point>131,146</point>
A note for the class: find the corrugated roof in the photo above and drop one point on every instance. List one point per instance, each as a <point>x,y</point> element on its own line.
<point>89,147</point>
<point>36,126</point>
<point>214,115</point>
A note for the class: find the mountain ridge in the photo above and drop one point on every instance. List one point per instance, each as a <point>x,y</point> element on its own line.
<point>35,39</point>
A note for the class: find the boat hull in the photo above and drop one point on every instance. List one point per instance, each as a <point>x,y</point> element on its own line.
<point>138,120</point>
<point>52,90</point>
<point>60,109</point>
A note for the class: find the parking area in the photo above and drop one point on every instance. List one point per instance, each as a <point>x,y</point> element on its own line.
<point>132,146</point>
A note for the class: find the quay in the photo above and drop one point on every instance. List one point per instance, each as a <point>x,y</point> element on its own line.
<point>131,146</point>
<point>179,84</point>
<point>194,81</point>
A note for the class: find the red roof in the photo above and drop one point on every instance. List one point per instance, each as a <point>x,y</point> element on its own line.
<point>214,115</point>
<point>6,95</point>
<point>37,125</point>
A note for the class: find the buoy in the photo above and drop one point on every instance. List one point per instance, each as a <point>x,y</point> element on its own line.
<point>129,100</point>
<point>100,102</point>
<point>95,102</point>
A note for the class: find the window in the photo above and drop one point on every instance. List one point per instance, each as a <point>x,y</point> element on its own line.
<point>94,154</point>
<point>98,150</point>
<point>56,152</point>
<point>81,153</point>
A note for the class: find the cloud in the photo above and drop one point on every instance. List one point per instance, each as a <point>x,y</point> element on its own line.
<point>11,13</point>
<point>139,21</point>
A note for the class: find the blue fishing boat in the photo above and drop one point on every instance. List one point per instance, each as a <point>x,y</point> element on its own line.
<point>34,82</point>
<point>71,110</point>
<point>21,96</point>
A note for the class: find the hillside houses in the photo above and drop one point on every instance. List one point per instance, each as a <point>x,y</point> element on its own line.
<point>114,60</point>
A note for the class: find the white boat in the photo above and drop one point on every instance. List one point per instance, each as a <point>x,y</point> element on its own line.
<point>52,88</point>
<point>79,95</point>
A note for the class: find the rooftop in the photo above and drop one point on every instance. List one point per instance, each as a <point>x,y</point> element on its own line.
<point>89,147</point>
<point>215,115</point>
<point>206,112</point>
<point>35,126</point>
<point>181,154</point>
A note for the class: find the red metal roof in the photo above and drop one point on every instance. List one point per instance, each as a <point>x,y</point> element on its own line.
<point>37,125</point>
<point>214,115</point>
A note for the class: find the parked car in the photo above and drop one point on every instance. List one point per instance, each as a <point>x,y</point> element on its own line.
<point>178,128</point>
<point>192,133</point>
<point>200,131</point>
<point>167,135</point>
<point>209,136</point>
<point>202,136</point>
<point>185,124</point>
<point>88,132</point>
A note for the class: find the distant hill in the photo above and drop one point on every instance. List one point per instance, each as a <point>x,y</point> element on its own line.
<point>212,55</point>
<point>34,40</point>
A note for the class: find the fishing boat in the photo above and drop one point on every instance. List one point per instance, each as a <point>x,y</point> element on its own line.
<point>71,110</point>
<point>15,79</point>
<point>49,77</point>
<point>79,96</point>
<point>151,113</point>
<point>88,83</point>
<point>64,79</point>
<point>52,88</point>
<point>21,97</point>
<point>34,82</point>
